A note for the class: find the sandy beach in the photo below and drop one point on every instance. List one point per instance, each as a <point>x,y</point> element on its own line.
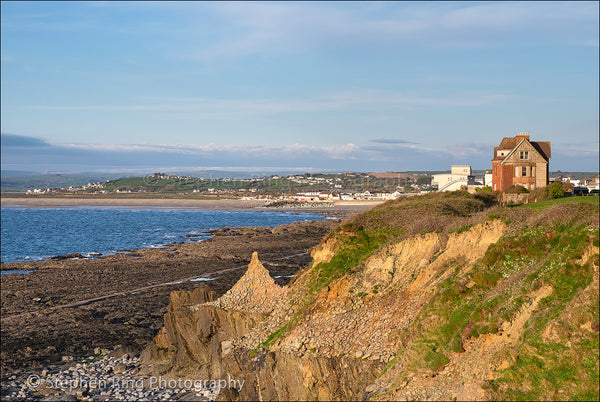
<point>131,202</point>
<point>338,208</point>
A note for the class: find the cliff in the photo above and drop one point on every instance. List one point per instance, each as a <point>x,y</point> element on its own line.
<point>436,297</point>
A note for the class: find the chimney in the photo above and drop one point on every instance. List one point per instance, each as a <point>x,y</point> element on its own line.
<point>526,135</point>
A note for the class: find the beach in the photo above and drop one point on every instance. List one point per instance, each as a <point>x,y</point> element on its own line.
<point>221,203</point>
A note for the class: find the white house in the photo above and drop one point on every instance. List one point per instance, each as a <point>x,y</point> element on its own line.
<point>487,181</point>
<point>458,177</point>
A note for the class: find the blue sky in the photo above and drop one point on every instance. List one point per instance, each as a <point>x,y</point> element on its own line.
<point>356,86</point>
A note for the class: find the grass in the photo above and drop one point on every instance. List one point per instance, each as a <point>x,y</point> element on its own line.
<point>355,247</point>
<point>456,313</point>
<point>542,205</point>
<point>542,246</point>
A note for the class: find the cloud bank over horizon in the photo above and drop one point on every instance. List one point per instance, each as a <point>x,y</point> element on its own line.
<point>26,153</point>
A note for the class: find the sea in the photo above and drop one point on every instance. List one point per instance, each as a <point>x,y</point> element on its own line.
<point>36,234</point>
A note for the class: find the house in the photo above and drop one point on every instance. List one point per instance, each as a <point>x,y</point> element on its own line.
<point>487,181</point>
<point>458,178</point>
<point>517,160</point>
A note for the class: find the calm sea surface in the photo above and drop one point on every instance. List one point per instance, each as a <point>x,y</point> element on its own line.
<point>35,234</point>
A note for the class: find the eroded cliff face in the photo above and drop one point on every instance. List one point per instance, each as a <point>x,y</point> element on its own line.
<point>338,345</point>
<point>206,338</point>
<point>368,333</point>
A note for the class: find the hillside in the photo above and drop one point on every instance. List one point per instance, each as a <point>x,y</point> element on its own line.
<point>443,296</point>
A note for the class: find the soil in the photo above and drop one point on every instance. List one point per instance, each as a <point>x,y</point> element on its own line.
<point>69,307</point>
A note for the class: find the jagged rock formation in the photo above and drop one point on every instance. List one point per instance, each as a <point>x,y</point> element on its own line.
<point>413,314</point>
<point>256,292</point>
<point>202,338</point>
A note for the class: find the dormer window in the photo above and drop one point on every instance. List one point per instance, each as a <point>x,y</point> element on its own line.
<point>524,155</point>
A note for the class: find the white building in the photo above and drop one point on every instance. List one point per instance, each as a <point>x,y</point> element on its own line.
<point>458,177</point>
<point>487,181</point>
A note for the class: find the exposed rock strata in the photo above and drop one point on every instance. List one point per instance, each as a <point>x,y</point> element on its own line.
<point>202,341</point>
<point>437,314</point>
<point>339,345</point>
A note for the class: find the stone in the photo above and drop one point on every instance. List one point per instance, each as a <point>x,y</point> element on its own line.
<point>119,368</point>
<point>226,348</point>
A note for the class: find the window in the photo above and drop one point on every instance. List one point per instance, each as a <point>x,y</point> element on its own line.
<point>495,171</point>
<point>524,155</point>
<point>524,171</point>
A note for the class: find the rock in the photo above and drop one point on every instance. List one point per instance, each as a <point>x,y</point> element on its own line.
<point>226,347</point>
<point>67,358</point>
<point>67,256</point>
<point>119,368</point>
<point>358,354</point>
<point>255,292</point>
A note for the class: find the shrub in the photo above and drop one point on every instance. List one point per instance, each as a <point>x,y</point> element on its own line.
<point>516,189</point>
<point>555,190</point>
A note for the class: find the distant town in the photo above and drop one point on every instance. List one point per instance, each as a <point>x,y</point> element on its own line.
<point>307,187</point>
<point>519,166</point>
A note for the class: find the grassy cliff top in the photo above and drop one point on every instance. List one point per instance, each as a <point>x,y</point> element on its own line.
<point>524,312</point>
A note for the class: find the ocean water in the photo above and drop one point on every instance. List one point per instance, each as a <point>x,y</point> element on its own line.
<point>35,234</point>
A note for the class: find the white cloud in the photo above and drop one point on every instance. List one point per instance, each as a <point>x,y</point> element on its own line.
<point>279,27</point>
<point>344,151</point>
<point>343,101</point>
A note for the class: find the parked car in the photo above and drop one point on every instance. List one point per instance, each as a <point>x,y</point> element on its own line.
<point>581,191</point>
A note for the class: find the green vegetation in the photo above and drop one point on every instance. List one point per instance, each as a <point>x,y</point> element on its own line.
<point>555,190</point>
<point>533,278</point>
<point>505,279</point>
<point>355,247</point>
<point>531,287</point>
<point>542,205</point>
<point>274,337</point>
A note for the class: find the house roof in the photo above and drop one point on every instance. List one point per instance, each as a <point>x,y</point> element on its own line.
<point>511,143</point>
<point>508,142</point>
<point>543,147</point>
<point>538,146</point>
<point>514,149</point>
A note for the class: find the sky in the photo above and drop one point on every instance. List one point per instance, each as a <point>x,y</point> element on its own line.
<point>310,86</point>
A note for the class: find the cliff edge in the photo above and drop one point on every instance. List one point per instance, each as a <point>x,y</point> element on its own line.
<point>444,296</point>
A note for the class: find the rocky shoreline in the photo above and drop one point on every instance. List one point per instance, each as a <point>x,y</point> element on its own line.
<point>65,311</point>
<point>105,378</point>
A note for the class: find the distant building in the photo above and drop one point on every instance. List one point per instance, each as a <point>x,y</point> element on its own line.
<point>459,177</point>
<point>517,160</point>
<point>487,181</point>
